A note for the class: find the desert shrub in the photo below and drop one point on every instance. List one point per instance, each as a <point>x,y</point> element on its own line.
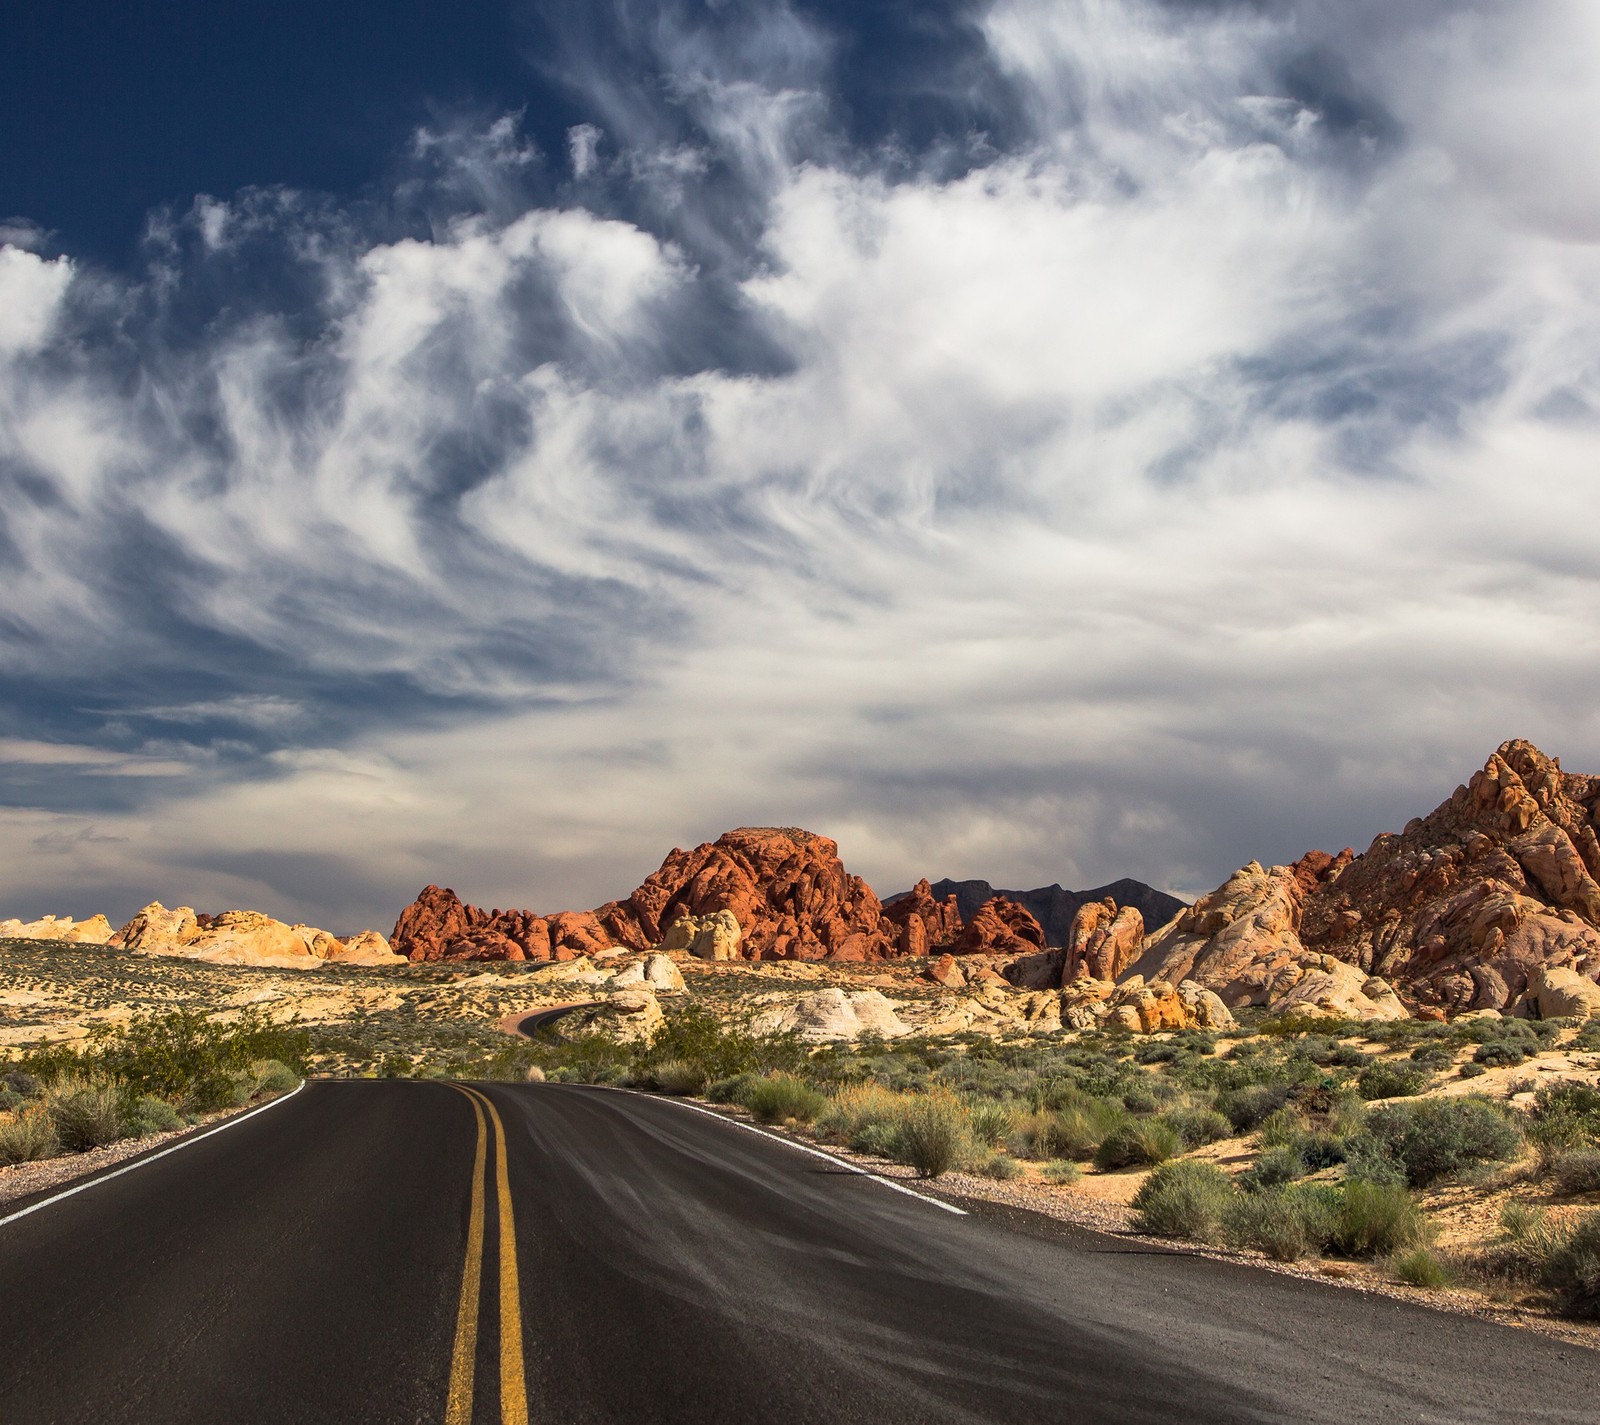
<point>189,1059</point>
<point>23,1084</point>
<point>932,1134</point>
<point>677,1076</point>
<point>1156,1051</point>
<point>1183,1199</point>
<point>1565,1115</point>
<point>1246,1108</point>
<point>533,1075</point>
<point>1284,1223</point>
<point>1273,1168</point>
<point>1576,1171</point>
<point>1319,1150</point>
<point>1377,1220</point>
<point>1572,1269</point>
<point>1433,1056</point>
<point>27,1138</point>
<point>990,1122</point>
<point>1061,1171</point>
<point>1469,1070</point>
<point>1436,1137</point>
<point>732,1089</point>
<point>1501,1054</point>
<point>1074,1128</point>
<point>864,1116</point>
<point>783,1098</point>
<point>10,1100</point>
<point>1588,1036</point>
<point>1000,1166</point>
<point>1197,1126</point>
<point>1140,1098</point>
<point>85,1117</point>
<point>1419,1267</point>
<point>147,1114</point>
<point>1298,1022</point>
<point>1381,1079</point>
<point>274,1077</point>
<point>1138,1143</point>
<point>1282,1129</point>
<point>698,1035</point>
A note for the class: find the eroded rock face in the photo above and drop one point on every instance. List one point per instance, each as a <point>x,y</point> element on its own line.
<point>1102,941</point>
<point>246,937</point>
<point>924,924</point>
<point>96,930</point>
<point>1459,911</point>
<point>707,937</point>
<point>1000,927</point>
<point>1559,992</point>
<point>784,890</point>
<point>831,1015</point>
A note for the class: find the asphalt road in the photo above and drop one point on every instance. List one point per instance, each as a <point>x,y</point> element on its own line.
<point>365,1252</point>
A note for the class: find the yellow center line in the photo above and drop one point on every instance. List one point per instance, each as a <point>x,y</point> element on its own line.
<point>513,1375</point>
<point>458,1407</point>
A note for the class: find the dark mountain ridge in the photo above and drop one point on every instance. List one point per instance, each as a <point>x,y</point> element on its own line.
<point>1054,906</point>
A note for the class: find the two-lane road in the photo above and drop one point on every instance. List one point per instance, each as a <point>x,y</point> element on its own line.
<point>419,1252</point>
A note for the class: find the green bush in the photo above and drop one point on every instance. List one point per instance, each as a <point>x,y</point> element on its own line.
<point>1565,1115</point>
<point>1377,1220</point>
<point>27,1138</point>
<point>23,1084</point>
<point>1382,1079</point>
<point>1433,1056</point>
<point>1142,1142</point>
<point>1000,1166</point>
<point>1273,1168</point>
<point>1572,1269</point>
<point>147,1114</point>
<point>1419,1267</point>
<point>1073,1128</point>
<point>932,1135</point>
<point>866,1117</point>
<point>697,1035</point>
<point>732,1089</point>
<point>1183,1199</point>
<point>273,1077</point>
<point>85,1118</point>
<point>1283,1223</point>
<point>1197,1126</point>
<point>1469,1070</point>
<point>1246,1108</point>
<point>1283,1128</point>
<point>1436,1137</point>
<point>1501,1054</point>
<point>189,1059</point>
<point>1061,1171</point>
<point>784,1098</point>
<point>990,1122</point>
<point>676,1076</point>
<point>1576,1172</point>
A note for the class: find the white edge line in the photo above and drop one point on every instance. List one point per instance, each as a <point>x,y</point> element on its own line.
<point>788,1143</point>
<point>184,1143</point>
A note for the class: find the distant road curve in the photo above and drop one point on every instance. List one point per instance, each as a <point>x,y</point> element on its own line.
<point>386,1252</point>
<point>526,1021</point>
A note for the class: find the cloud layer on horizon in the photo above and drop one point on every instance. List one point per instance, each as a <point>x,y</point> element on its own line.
<point>1160,434</point>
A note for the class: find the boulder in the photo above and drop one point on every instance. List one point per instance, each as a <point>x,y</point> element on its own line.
<point>1560,992</point>
<point>1203,1008</point>
<point>832,1015</point>
<point>656,971</point>
<point>366,948</point>
<point>630,1016</point>
<point>924,922</point>
<point>947,971</point>
<point>156,926</point>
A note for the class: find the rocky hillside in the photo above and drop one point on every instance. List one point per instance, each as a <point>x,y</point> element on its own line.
<point>1489,902</point>
<point>1053,906</point>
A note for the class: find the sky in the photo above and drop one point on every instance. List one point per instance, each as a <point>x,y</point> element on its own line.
<point>1038,440</point>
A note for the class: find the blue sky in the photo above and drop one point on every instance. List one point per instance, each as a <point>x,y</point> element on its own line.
<point>1038,441</point>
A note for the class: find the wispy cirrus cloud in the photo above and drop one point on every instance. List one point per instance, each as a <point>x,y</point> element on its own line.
<point>1142,437</point>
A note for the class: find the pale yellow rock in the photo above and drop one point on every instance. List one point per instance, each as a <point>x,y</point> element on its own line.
<point>656,970</point>
<point>367,948</point>
<point>96,930</point>
<point>707,937</point>
<point>157,928</point>
<point>1204,1008</point>
<point>1559,992</point>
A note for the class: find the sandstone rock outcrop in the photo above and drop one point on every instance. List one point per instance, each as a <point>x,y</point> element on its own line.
<point>1102,941</point>
<point>1461,910</point>
<point>1000,927</point>
<point>1560,992</point>
<point>246,937</point>
<point>630,1016</point>
<point>832,1015</point>
<point>706,937</point>
<point>96,930</point>
<point>785,891</point>
<point>656,972</point>
<point>924,923</point>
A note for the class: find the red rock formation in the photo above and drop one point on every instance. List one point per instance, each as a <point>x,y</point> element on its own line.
<point>1103,941</point>
<point>788,889</point>
<point>925,924</point>
<point>1000,927</point>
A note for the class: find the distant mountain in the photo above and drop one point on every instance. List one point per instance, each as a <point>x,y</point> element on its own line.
<point>1053,907</point>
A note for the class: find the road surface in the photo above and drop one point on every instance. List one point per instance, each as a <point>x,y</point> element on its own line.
<point>393,1251</point>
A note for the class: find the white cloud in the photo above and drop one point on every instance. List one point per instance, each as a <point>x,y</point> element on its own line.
<point>1207,476</point>
<point>31,289</point>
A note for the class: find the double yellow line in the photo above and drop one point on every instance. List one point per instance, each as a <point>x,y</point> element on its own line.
<point>463,1359</point>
